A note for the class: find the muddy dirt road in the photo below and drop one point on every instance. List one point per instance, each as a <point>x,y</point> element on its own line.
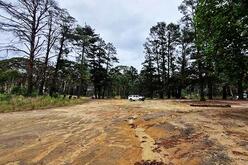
<point>118,132</point>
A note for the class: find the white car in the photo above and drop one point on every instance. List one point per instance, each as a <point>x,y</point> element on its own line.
<point>245,96</point>
<point>136,98</point>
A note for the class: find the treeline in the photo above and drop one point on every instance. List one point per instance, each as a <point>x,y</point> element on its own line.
<point>119,81</point>
<point>49,39</point>
<point>205,53</point>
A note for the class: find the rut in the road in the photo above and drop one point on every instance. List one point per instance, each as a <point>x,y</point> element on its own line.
<point>147,143</point>
<point>148,146</point>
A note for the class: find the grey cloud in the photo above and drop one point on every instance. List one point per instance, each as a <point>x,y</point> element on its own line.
<point>125,23</point>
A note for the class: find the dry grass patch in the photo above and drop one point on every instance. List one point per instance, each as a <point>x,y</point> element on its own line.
<point>20,103</point>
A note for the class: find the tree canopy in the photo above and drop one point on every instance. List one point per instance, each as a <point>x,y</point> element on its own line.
<point>204,54</point>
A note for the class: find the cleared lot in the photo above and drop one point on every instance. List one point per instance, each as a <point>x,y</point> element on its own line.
<point>117,132</point>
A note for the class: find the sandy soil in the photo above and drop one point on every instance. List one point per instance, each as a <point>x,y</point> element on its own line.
<point>118,132</point>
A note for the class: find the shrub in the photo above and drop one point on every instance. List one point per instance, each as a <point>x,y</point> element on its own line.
<point>5,97</point>
<point>18,90</point>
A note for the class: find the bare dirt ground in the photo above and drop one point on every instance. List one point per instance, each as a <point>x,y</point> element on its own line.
<point>118,132</point>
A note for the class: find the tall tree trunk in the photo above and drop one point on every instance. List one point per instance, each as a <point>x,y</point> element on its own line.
<point>48,49</point>
<point>202,96</point>
<point>168,68</point>
<point>31,56</point>
<point>163,83</point>
<point>81,73</point>
<point>201,79</point>
<point>103,92</point>
<point>95,91</point>
<point>224,92</point>
<point>240,89</point>
<point>57,67</point>
<point>43,78</point>
<point>30,75</point>
<point>99,92</point>
<point>210,89</point>
<point>41,87</point>
<point>179,92</point>
<point>161,94</point>
<point>151,94</point>
<point>169,92</point>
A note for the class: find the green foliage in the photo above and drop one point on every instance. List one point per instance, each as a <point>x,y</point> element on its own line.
<point>193,96</point>
<point>18,90</point>
<point>124,81</point>
<point>207,49</point>
<point>5,97</point>
<point>159,66</point>
<point>222,33</point>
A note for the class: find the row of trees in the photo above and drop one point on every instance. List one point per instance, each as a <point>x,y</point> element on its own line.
<point>120,80</point>
<point>48,36</point>
<point>205,53</point>
<point>222,41</point>
<point>207,50</point>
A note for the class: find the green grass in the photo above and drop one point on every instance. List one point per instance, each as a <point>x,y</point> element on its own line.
<point>11,103</point>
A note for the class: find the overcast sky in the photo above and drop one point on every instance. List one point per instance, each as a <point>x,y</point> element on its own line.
<point>125,23</point>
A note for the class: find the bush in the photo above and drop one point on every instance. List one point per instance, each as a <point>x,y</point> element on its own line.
<point>18,90</point>
<point>5,97</point>
<point>194,96</point>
